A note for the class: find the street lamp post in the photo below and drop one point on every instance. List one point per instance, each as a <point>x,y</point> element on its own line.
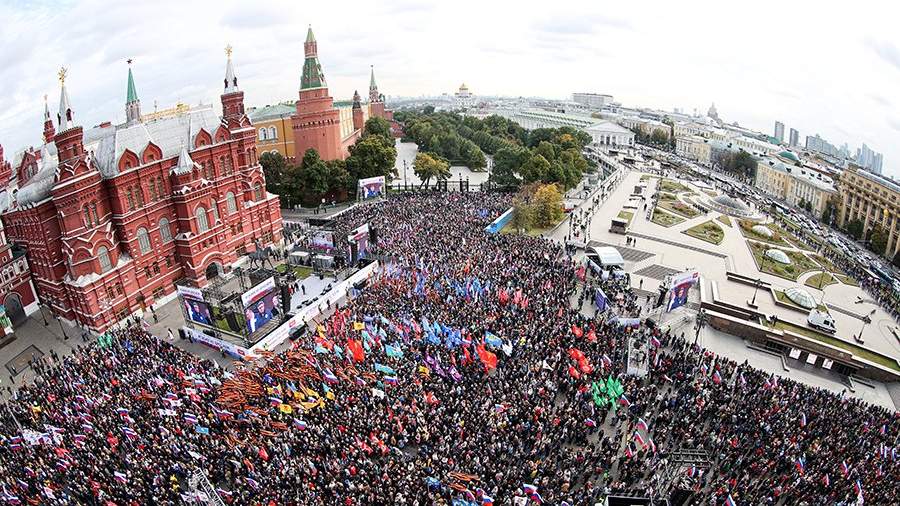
<point>701,321</point>
<point>758,283</point>
<point>866,320</point>
<point>43,317</point>
<point>61,329</point>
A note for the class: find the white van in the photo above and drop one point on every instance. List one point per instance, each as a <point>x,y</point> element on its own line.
<point>821,320</point>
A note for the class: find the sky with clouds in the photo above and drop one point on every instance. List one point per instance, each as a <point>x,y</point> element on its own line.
<point>821,67</point>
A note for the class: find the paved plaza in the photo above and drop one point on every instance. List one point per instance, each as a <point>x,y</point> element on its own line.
<point>668,249</point>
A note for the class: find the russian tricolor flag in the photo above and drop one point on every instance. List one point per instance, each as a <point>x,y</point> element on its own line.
<point>858,487</point>
<point>845,469</point>
<point>390,380</point>
<point>729,501</point>
<point>300,424</point>
<point>801,465</point>
<point>590,422</point>
<point>803,419</point>
<point>329,376</point>
<point>826,480</point>
<point>529,489</point>
<point>624,401</point>
<point>642,425</point>
<point>639,439</point>
<point>190,418</point>
<point>716,377</point>
<point>487,500</point>
<point>120,477</point>
<point>655,342</point>
<point>275,401</point>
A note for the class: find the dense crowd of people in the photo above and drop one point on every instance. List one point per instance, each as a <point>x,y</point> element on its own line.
<point>468,371</point>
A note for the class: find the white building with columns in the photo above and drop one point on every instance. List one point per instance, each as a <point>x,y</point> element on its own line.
<point>609,134</point>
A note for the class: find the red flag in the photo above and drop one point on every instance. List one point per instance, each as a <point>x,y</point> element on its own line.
<point>487,358</point>
<point>591,336</point>
<point>577,330</point>
<point>356,350</point>
<point>574,372</point>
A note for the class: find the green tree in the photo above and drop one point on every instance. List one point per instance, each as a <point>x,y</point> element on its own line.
<point>378,126</point>
<point>314,173</point>
<point>338,177</point>
<point>829,212</point>
<point>855,229</point>
<point>371,156</point>
<point>428,109</point>
<point>547,202</point>
<point>274,166</point>
<point>507,163</point>
<point>426,167</point>
<point>878,240</point>
<point>523,214</point>
<point>547,150</point>
<point>535,169</point>
<point>658,136</point>
<point>808,206</point>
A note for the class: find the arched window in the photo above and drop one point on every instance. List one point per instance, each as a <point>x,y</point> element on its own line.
<point>230,203</point>
<point>152,190</point>
<point>202,220</point>
<point>165,232</point>
<point>273,134</point>
<point>257,192</point>
<point>103,256</point>
<point>160,189</point>
<point>94,211</point>
<point>139,192</point>
<point>143,240</point>
<point>215,211</point>
<point>129,196</point>
<point>87,217</point>
<point>263,133</point>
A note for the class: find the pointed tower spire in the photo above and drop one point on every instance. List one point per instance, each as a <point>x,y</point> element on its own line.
<point>49,131</point>
<point>185,162</point>
<point>358,119</point>
<point>132,103</point>
<point>374,96</point>
<point>356,100</point>
<point>230,80</point>
<point>65,117</point>
<point>312,76</point>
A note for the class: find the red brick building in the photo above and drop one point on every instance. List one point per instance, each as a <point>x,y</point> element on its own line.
<point>17,294</point>
<point>112,216</point>
<point>317,122</point>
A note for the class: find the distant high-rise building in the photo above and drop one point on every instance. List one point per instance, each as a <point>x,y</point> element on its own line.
<point>779,131</point>
<point>794,138</point>
<point>593,100</point>
<point>876,163</point>
<point>713,112</point>
<point>817,143</point>
<point>868,158</point>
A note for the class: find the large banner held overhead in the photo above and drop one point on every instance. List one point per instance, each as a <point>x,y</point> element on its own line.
<point>600,300</point>
<point>371,187</point>
<point>680,287</point>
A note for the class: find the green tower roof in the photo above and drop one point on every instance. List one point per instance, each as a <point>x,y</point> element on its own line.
<point>372,79</point>
<point>312,76</point>
<point>309,35</point>
<point>132,91</point>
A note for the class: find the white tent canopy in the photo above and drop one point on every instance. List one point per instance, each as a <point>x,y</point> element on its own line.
<point>609,256</point>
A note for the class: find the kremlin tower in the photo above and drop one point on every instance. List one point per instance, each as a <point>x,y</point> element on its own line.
<point>317,122</point>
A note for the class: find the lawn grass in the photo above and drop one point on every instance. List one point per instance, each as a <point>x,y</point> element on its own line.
<point>708,231</point>
<point>784,299</point>
<point>626,215</point>
<point>857,351</point>
<point>302,272</point>
<point>847,280</point>
<point>647,177</point>
<point>665,219</point>
<point>822,277</point>
<point>746,227</point>
<point>800,263</point>
<point>724,219</point>
<point>533,232</point>
<point>674,206</point>
<point>827,264</point>
<point>667,185</point>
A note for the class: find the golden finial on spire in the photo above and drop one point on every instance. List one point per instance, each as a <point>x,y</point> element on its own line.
<point>62,75</point>
<point>228,50</point>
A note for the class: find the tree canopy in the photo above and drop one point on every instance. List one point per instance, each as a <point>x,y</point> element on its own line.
<point>427,166</point>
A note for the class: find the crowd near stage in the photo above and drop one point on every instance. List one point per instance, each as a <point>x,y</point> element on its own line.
<point>470,368</point>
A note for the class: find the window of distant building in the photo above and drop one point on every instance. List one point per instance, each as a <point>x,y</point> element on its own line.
<point>263,134</point>
<point>230,203</point>
<point>103,256</point>
<point>273,134</point>
<point>165,232</point>
<point>202,220</point>
<point>143,240</point>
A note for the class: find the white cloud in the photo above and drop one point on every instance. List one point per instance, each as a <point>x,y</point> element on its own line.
<point>820,68</point>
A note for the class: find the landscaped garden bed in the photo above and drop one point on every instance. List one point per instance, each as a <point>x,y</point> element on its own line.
<point>708,231</point>
<point>746,227</point>
<point>665,219</point>
<point>820,280</point>
<point>725,220</point>
<point>800,263</point>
